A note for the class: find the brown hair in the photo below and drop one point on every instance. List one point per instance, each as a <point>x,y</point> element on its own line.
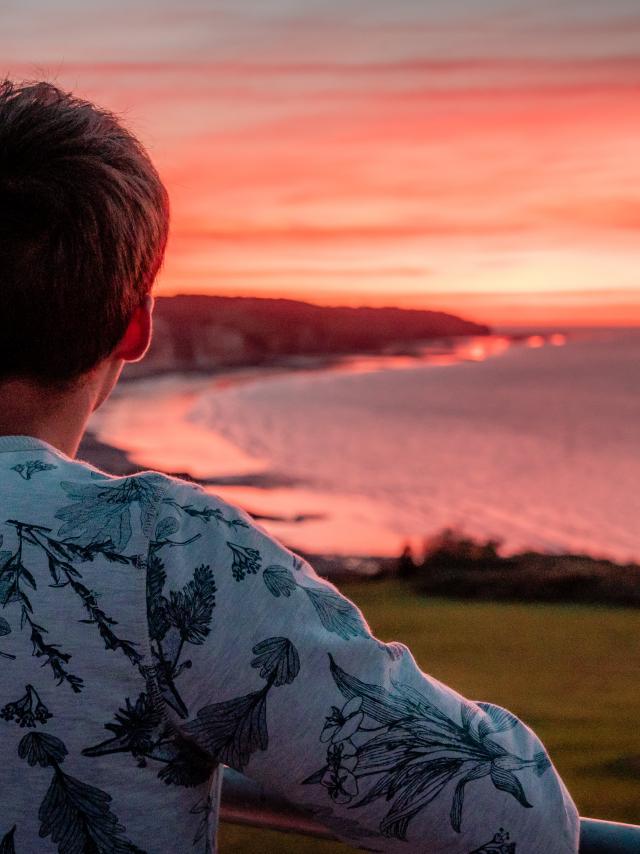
<point>83,227</point>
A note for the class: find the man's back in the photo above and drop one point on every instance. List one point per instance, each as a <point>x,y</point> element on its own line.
<point>149,632</point>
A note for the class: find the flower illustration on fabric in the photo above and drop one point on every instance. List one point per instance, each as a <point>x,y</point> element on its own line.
<point>499,845</point>
<point>102,513</point>
<point>26,470</point>
<point>414,752</point>
<point>246,561</point>
<point>28,710</point>
<point>339,778</point>
<point>342,723</point>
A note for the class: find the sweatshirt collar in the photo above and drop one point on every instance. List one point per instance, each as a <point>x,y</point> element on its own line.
<point>28,443</point>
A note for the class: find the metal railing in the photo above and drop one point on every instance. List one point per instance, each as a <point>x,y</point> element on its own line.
<point>246,802</point>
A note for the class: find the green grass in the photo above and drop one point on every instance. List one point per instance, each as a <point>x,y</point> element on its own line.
<point>570,671</point>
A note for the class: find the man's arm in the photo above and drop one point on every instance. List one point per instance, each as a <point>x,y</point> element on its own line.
<point>270,670</point>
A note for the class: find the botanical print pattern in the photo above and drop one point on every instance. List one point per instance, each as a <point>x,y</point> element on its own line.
<point>26,470</point>
<point>101,513</point>
<point>499,845</point>
<point>335,612</point>
<point>246,561</point>
<point>206,514</point>
<point>62,557</point>
<point>182,618</point>
<point>234,729</point>
<point>5,628</point>
<point>141,730</point>
<point>28,711</point>
<point>413,753</point>
<point>75,815</point>
<point>389,749</point>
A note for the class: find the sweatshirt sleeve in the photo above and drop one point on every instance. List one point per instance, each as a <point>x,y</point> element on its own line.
<point>266,667</point>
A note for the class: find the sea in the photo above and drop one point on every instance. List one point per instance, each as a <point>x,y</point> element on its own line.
<point>532,441</point>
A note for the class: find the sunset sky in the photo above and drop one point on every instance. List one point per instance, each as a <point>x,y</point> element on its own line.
<point>479,157</point>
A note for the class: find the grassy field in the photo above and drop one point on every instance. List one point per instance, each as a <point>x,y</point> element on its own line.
<point>570,671</point>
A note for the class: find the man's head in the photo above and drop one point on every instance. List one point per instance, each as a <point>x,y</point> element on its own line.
<point>83,228</point>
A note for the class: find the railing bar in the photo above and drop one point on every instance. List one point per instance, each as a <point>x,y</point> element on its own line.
<point>245,802</point>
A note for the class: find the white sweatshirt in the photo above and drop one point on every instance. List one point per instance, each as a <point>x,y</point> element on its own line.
<point>149,632</point>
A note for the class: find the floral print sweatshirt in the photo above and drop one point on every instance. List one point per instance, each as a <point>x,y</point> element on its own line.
<point>151,633</point>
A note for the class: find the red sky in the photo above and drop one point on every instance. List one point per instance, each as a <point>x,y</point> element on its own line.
<point>410,153</point>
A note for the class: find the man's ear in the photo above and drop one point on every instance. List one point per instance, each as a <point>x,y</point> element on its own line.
<point>137,337</point>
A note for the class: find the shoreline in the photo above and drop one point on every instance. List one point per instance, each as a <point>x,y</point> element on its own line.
<point>461,570</point>
<point>456,567</point>
<point>127,441</point>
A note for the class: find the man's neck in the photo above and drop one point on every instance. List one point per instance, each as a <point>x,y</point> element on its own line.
<point>59,418</point>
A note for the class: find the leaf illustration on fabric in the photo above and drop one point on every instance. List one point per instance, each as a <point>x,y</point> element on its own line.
<point>74,814</point>
<point>104,623</point>
<point>187,766</point>
<point>277,660</point>
<point>101,512</point>
<point>498,720</point>
<point>184,617</point>
<point>498,845</point>
<point>6,843</point>
<point>542,763</point>
<point>54,657</point>
<point>377,702</point>
<point>40,748</point>
<point>59,555</point>
<point>420,784</point>
<point>414,754</point>
<point>141,730</point>
<point>5,629</point>
<point>475,773</point>
<point>507,781</point>
<point>246,561</point>
<point>28,469</point>
<point>77,818</point>
<point>166,527</point>
<point>206,514</point>
<point>336,613</point>
<point>279,581</point>
<point>190,609</point>
<point>232,730</point>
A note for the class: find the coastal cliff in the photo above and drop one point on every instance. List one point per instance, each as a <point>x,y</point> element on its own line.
<point>197,332</point>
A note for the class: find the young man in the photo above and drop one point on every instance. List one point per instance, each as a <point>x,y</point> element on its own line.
<point>148,630</point>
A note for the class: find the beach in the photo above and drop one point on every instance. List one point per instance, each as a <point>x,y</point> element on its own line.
<point>531,445</point>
